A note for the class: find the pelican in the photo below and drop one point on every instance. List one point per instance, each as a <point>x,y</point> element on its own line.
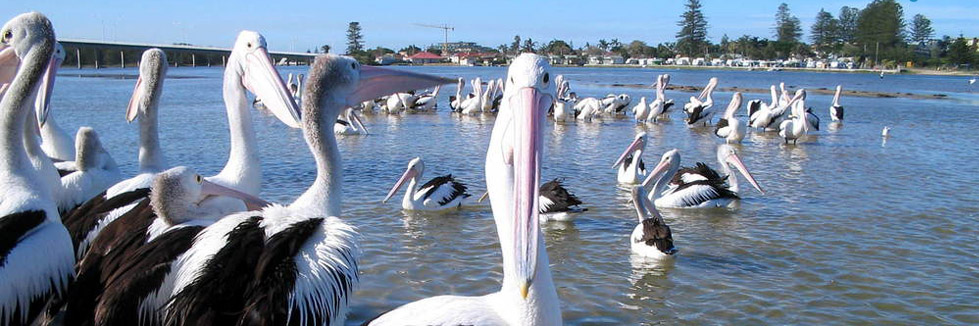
<point>699,186</point>
<point>587,109</point>
<point>641,110</point>
<point>836,111</point>
<point>488,96</point>
<point>729,127</point>
<point>294,264</point>
<point>473,104</point>
<point>350,124</point>
<point>761,115</point>
<point>36,257</point>
<point>557,203</point>
<point>248,68</point>
<point>794,128</point>
<point>700,108</point>
<point>55,141</point>
<point>615,104</point>
<point>439,193</point>
<point>528,295</point>
<point>632,170</point>
<point>972,80</point>
<point>427,102</point>
<point>660,106</point>
<point>886,132</point>
<point>651,238</point>
<point>92,172</point>
<point>456,100</point>
<point>563,106</point>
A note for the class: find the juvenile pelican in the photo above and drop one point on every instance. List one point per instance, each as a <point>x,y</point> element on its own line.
<point>730,127</point>
<point>651,238</point>
<point>528,295</point>
<point>632,170</point>
<point>441,192</point>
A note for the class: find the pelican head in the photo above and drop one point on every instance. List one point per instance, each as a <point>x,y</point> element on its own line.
<point>29,36</point>
<point>709,88</point>
<point>149,84</point>
<point>637,145</point>
<point>251,62</point>
<point>670,161</point>
<point>529,91</point>
<point>180,194</point>
<point>733,107</point>
<point>729,156</point>
<point>655,231</point>
<point>415,169</point>
<point>89,153</point>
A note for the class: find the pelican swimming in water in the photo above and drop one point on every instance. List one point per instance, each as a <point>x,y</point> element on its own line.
<point>36,256</point>
<point>528,295</point>
<point>632,170</point>
<point>729,127</point>
<point>836,110</point>
<point>651,238</point>
<point>441,192</point>
<point>557,203</point>
<point>699,186</point>
<point>427,102</point>
<point>350,124</point>
<point>700,109</point>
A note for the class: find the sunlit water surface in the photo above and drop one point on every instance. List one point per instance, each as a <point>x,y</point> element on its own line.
<point>853,228</point>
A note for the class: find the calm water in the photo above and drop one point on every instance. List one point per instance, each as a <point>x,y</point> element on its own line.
<point>853,230</point>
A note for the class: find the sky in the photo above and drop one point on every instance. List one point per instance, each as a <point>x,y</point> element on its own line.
<point>301,25</point>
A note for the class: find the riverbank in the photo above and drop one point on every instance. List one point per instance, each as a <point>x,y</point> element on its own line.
<point>821,90</point>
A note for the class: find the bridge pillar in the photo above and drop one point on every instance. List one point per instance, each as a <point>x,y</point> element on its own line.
<point>96,58</point>
<point>78,57</point>
<point>223,63</point>
<point>193,60</point>
<point>122,59</point>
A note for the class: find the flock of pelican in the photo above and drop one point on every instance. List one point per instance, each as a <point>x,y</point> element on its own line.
<point>82,244</point>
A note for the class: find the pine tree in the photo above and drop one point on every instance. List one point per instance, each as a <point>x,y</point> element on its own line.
<point>959,52</point>
<point>882,21</point>
<point>848,24</point>
<point>824,32</point>
<point>355,41</point>
<point>921,29</point>
<point>788,29</point>
<point>692,37</point>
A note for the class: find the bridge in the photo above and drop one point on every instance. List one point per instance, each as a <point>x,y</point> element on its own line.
<point>100,54</point>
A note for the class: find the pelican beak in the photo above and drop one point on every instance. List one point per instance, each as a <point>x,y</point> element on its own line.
<point>264,81</point>
<point>139,94</point>
<point>409,173</point>
<point>360,123</point>
<point>733,159</point>
<point>251,202</point>
<point>660,168</point>
<point>529,105</point>
<point>483,197</point>
<point>43,101</point>
<point>9,63</point>
<point>636,144</point>
<point>376,82</point>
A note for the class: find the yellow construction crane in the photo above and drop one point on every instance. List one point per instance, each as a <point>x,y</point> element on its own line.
<point>445,29</point>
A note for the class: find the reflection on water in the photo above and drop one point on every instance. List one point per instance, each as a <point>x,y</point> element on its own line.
<point>848,232</point>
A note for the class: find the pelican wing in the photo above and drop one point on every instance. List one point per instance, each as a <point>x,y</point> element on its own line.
<point>723,129</point>
<point>554,197</point>
<point>442,190</point>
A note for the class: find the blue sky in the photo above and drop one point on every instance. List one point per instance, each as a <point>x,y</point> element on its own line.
<point>301,25</point>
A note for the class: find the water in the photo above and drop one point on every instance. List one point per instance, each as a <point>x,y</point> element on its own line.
<point>852,230</point>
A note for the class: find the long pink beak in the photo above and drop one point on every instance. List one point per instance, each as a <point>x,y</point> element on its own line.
<point>43,101</point>
<point>264,81</point>
<point>660,168</point>
<point>376,82</point>
<point>409,173</point>
<point>528,112</point>
<point>251,202</point>
<point>736,161</point>
<point>632,148</point>
<point>132,110</point>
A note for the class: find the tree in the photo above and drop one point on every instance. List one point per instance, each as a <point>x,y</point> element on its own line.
<point>848,24</point>
<point>824,32</point>
<point>692,37</point>
<point>603,44</point>
<point>411,50</point>
<point>355,41</point>
<point>515,46</point>
<point>921,29</point>
<point>559,47</point>
<point>637,49</point>
<point>529,45</point>
<point>788,29</point>
<point>325,48</point>
<point>882,21</point>
<point>959,52</point>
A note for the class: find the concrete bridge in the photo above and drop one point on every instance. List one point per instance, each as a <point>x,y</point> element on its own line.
<point>101,54</point>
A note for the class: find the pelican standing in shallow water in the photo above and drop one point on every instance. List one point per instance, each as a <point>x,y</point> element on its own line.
<point>36,256</point>
<point>632,170</point>
<point>651,238</point>
<point>350,124</point>
<point>699,186</point>
<point>729,127</point>
<point>660,107</point>
<point>700,109</point>
<point>528,295</point>
<point>836,111</point>
<point>798,125</point>
<point>441,192</point>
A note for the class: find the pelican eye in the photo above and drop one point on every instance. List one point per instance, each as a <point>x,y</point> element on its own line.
<point>547,78</point>
<point>7,36</point>
<point>199,179</point>
<point>249,44</point>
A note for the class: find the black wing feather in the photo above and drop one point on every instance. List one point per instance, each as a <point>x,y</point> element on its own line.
<point>563,199</point>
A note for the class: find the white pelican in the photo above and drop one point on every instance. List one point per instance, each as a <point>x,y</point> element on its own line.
<point>641,110</point>
<point>730,127</point>
<point>36,258</point>
<point>660,106</point>
<point>557,203</point>
<point>473,104</point>
<point>698,186</point>
<point>784,98</point>
<point>615,104</point>
<point>528,295</point>
<point>886,132</point>
<point>488,96</point>
<point>455,101</point>
<point>836,111</point>
<point>294,264</point>
<point>632,170</point>
<point>651,238</point>
<point>427,102</point>
<point>972,80</point>
<point>700,109</point>
<point>761,114</point>
<point>441,192</point>
<point>91,173</point>
<point>350,124</point>
<point>587,109</point>
<point>798,125</point>
<point>248,68</point>
<point>55,141</point>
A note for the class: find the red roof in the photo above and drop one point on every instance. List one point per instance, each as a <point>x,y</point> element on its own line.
<point>425,55</point>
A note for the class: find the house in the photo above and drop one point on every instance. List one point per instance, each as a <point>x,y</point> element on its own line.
<point>717,62</point>
<point>472,58</point>
<point>424,57</point>
<point>613,59</point>
<point>699,62</point>
<point>682,61</point>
